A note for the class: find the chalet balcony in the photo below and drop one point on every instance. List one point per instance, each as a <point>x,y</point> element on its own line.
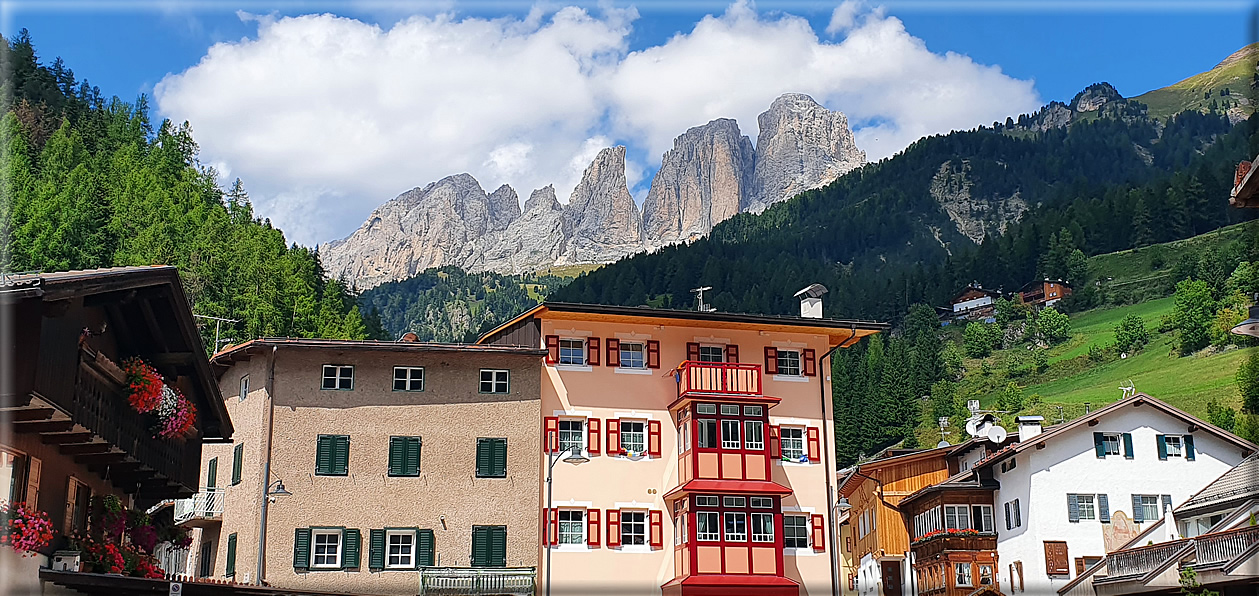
<point>718,378</point>
<point>1222,547</point>
<point>939,543</point>
<point>202,509</point>
<point>470,581</point>
<point>1135,563</point>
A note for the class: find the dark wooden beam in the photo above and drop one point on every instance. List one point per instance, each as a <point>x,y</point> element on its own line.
<point>155,329</point>
<point>29,414</point>
<point>121,328</point>
<point>84,448</point>
<point>62,438</point>
<point>172,359</point>
<point>43,426</point>
<point>100,458</point>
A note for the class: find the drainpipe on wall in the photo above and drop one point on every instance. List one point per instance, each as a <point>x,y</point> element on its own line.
<point>826,461</point>
<point>266,469</point>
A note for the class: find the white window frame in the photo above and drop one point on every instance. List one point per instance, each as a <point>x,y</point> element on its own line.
<point>566,351</point>
<point>710,520</point>
<point>786,368</point>
<point>753,435</point>
<point>762,529</point>
<point>727,440</point>
<point>729,409</point>
<point>567,538</point>
<point>1112,438</point>
<point>244,387</point>
<point>641,435</point>
<point>706,500</point>
<point>337,376</point>
<point>707,351</point>
<point>315,533</point>
<point>985,522</point>
<point>633,528</point>
<point>732,502</point>
<point>957,517</point>
<point>792,447</point>
<point>389,555</point>
<point>788,530</point>
<point>629,361</point>
<point>408,377</point>
<point>707,432</point>
<point>761,503</point>
<point>958,567</point>
<point>738,517</point>
<point>581,434</point>
<point>1180,445</point>
<point>496,380</point>
<point>752,410</point>
<point>684,437</point>
<point>1091,506</point>
<point>707,409</point>
<point>1145,508</point>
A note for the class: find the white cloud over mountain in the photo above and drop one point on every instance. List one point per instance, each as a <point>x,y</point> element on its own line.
<point>325,118</point>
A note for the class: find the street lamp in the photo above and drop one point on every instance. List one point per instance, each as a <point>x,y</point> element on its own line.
<point>843,504</point>
<point>1251,325</point>
<point>274,489</point>
<point>574,457</point>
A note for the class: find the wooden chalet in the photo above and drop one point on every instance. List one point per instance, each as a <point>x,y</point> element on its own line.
<point>1245,186</point>
<point>1044,292</point>
<point>70,432</point>
<point>953,535</point>
<point>974,302</point>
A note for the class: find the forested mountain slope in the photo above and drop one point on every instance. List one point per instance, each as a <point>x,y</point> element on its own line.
<point>87,182</point>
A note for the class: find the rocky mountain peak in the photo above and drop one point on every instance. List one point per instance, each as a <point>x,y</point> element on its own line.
<point>601,215</point>
<point>543,199</point>
<point>801,146</point>
<point>504,207</point>
<point>1094,97</point>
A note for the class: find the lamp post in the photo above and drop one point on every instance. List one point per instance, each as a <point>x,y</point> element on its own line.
<point>274,489</point>
<point>1251,325</point>
<point>574,457</point>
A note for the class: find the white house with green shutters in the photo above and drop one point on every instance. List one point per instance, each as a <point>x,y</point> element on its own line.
<point>1071,492</point>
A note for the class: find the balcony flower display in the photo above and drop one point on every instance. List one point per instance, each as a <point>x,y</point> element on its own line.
<point>26,529</point>
<point>929,536</point>
<point>121,541</point>
<point>148,393</point>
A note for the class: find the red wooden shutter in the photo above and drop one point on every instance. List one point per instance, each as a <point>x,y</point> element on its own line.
<point>592,527</point>
<point>614,436</point>
<point>656,529</point>
<point>550,434</point>
<point>553,527</point>
<point>592,351</point>
<point>775,442</point>
<point>653,353</point>
<point>810,362</point>
<point>819,533</point>
<point>732,353</point>
<point>614,527</point>
<point>771,360</point>
<point>614,352</point>
<point>552,349</point>
<point>653,438</point>
<point>692,351</point>
<point>592,436</point>
<point>815,447</point>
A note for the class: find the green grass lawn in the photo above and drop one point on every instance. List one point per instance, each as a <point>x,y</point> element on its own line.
<point>1097,327</point>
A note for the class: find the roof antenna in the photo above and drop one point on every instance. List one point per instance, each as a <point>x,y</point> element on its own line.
<point>1129,390</point>
<point>699,299</point>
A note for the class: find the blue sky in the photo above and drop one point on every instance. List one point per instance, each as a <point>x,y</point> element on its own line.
<point>325,118</point>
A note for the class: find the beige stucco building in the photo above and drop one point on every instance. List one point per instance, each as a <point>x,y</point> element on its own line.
<point>396,456</point>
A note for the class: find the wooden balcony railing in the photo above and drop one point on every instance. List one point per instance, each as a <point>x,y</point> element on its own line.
<point>726,378</point>
<point>466,581</point>
<point>1222,547</point>
<point>1140,561</point>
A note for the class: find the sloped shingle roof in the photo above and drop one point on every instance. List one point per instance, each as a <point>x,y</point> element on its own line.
<point>1241,482</point>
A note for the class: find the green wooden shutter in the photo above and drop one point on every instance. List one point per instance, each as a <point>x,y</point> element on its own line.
<point>352,540</point>
<point>212,473</point>
<point>376,549</point>
<point>238,461</point>
<point>301,548</point>
<point>1138,512</point>
<point>500,457</point>
<point>397,455</point>
<point>1073,508</point>
<point>323,455</point>
<point>1103,508</point>
<point>1189,453</point>
<point>480,546</point>
<point>1162,446</point>
<point>341,455</point>
<point>1127,445</point>
<point>498,546</point>
<point>412,464</point>
<point>484,459</point>
<point>231,555</point>
<point>424,547</point>
<point>1099,445</point>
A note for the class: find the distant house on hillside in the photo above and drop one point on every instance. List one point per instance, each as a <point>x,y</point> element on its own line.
<point>1044,292</point>
<point>974,302</point>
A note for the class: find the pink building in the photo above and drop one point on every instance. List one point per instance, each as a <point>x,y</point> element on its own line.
<point>710,441</point>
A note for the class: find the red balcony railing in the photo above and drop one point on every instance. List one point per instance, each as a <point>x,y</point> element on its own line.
<point>724,378</point>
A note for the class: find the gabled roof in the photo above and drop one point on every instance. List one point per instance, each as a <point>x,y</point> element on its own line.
<point>1041,282</point>
<point>1139,399</point>
<point>232,354</point>
<point>856,471</point>
<point>966,479</point>
<point>1239,483</point>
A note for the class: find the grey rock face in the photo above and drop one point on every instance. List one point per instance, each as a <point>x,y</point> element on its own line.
<point>601,219</point>
<point>531,241</point>
<point>801,146</point>
<point>437,225</point>
<point>504,207</point>
<point>701,182</point>
<point>973,216</point>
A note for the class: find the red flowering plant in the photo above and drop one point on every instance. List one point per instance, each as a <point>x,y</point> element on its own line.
<point>945,532</point>
<point>175,415</point>
<point>25,529</point>
<point>122,541</point>
<point>144,385</point>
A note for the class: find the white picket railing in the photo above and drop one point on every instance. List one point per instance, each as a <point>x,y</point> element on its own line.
<point>172,559</point>
<point>1221,547</point>
<point>465,581</point>
<point>206,504</point>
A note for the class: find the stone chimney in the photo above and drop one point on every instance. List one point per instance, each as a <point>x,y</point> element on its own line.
<point>1029,426</point>
<point>811,301</point>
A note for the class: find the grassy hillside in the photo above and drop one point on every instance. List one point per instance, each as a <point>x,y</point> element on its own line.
<point>1197,92</point>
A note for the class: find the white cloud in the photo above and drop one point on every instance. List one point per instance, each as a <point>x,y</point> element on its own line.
<point>325,118</point>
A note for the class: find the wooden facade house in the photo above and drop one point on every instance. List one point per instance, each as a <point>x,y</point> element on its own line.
<point>1044,293</point>
<point>953,535</point>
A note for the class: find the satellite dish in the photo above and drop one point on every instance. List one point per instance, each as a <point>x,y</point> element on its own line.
<point>972,427</point>
<point>997,434</point>
<point>942,444</point>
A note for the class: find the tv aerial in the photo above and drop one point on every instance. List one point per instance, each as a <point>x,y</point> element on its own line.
<point>699,299</point>
<point>1128,390</point>
<point>943,421</point>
